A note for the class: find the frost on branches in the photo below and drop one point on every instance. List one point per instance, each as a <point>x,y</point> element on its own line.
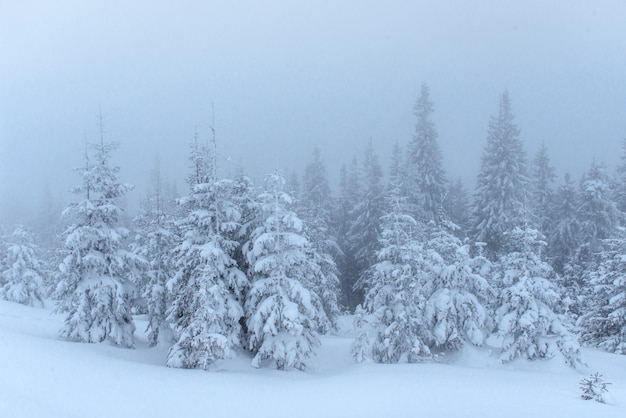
<point>94,285</point>
<point>280,315</point>
<point>527,324</point>
<point>21,276</point>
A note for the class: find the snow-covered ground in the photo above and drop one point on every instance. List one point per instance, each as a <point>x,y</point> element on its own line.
<point>43,376</point>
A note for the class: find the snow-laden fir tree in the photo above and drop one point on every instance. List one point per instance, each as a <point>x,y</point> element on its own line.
<point>597,212</point>
<point>21,276</point>
<point>500,199</point>
<point>456,296</point>
<point>317,205</point>
<point>527,323</point>
<point>603,324</point>
<point>565,235</point>
<point>349,192</point>
<point>393,295</point>
<point>208,286</point>
<point>155,240</point>
<point>364,233</point>
<point>280,315</point>
<point>426,183</point>
<point>94,285</point>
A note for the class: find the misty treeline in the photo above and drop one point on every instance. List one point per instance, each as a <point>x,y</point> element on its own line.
<point>528,268</point>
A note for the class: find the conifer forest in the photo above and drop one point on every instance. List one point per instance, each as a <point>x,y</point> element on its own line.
<point>527,264</point>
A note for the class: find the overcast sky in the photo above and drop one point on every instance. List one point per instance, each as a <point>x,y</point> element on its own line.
<point>285,76</point>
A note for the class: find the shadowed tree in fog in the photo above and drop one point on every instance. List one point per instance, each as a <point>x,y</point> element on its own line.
<point>426,183</point>
<point>500,199</point>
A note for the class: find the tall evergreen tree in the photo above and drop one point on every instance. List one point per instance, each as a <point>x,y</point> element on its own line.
<point>155,241</point>
<point>365,229</point>
<point>565,235</point>
<point>527,322</point>
<point>500,199</point>
<point>317,206</point>
<point>350,190</point>
<point>280,318</point>
<point>94,285</point>
<point>426,173</point>
<point>597,212</point>
<point>604,322</point>
<point>456,295</point>
<point>208,287</point>
<point>393,285</point>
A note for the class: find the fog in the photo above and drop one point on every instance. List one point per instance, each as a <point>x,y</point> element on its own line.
<point>284,77</point>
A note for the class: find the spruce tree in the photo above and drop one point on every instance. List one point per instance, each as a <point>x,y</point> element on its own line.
<point>604,321</point>
<point>364,232</point>
<point>597,212</point>
<point>155,241</point>
<point>426,173</point>
<point>457,296</point>
<point>393,285</point>
<point>528,324</point>
<point>317,205</point>
<point>94,286</point>
<point>501,200</point>
<point>280,317</point>
<point>565,235</point>
<point>208,286</point>
<point>350,190</point>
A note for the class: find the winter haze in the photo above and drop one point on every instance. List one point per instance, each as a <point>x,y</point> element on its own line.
<point>286,76</point>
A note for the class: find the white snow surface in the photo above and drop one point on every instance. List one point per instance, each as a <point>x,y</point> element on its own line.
<point>44,376</point>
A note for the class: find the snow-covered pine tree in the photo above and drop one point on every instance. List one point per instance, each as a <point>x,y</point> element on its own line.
<point>393,285</point>
<point>94,287</point>
<point>500,199</point>
<point>597,212</point>
<point>542,196</point>
<point>425,169</point>
<point>604,322</point>
<point>527,323</point>
<point>21,275</point>
<point>317,205</point>
<point>364,232</point>
<point>280,317</point>
<point>350,190</point>
<point>208,286</point>
<point>565,234</point>
<point>155,240</point>
<point>456,296</point>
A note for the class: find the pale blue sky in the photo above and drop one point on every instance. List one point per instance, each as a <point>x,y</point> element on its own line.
<point>288,75</point>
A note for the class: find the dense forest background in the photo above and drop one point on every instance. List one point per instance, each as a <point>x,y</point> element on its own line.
<point>526,263</point>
